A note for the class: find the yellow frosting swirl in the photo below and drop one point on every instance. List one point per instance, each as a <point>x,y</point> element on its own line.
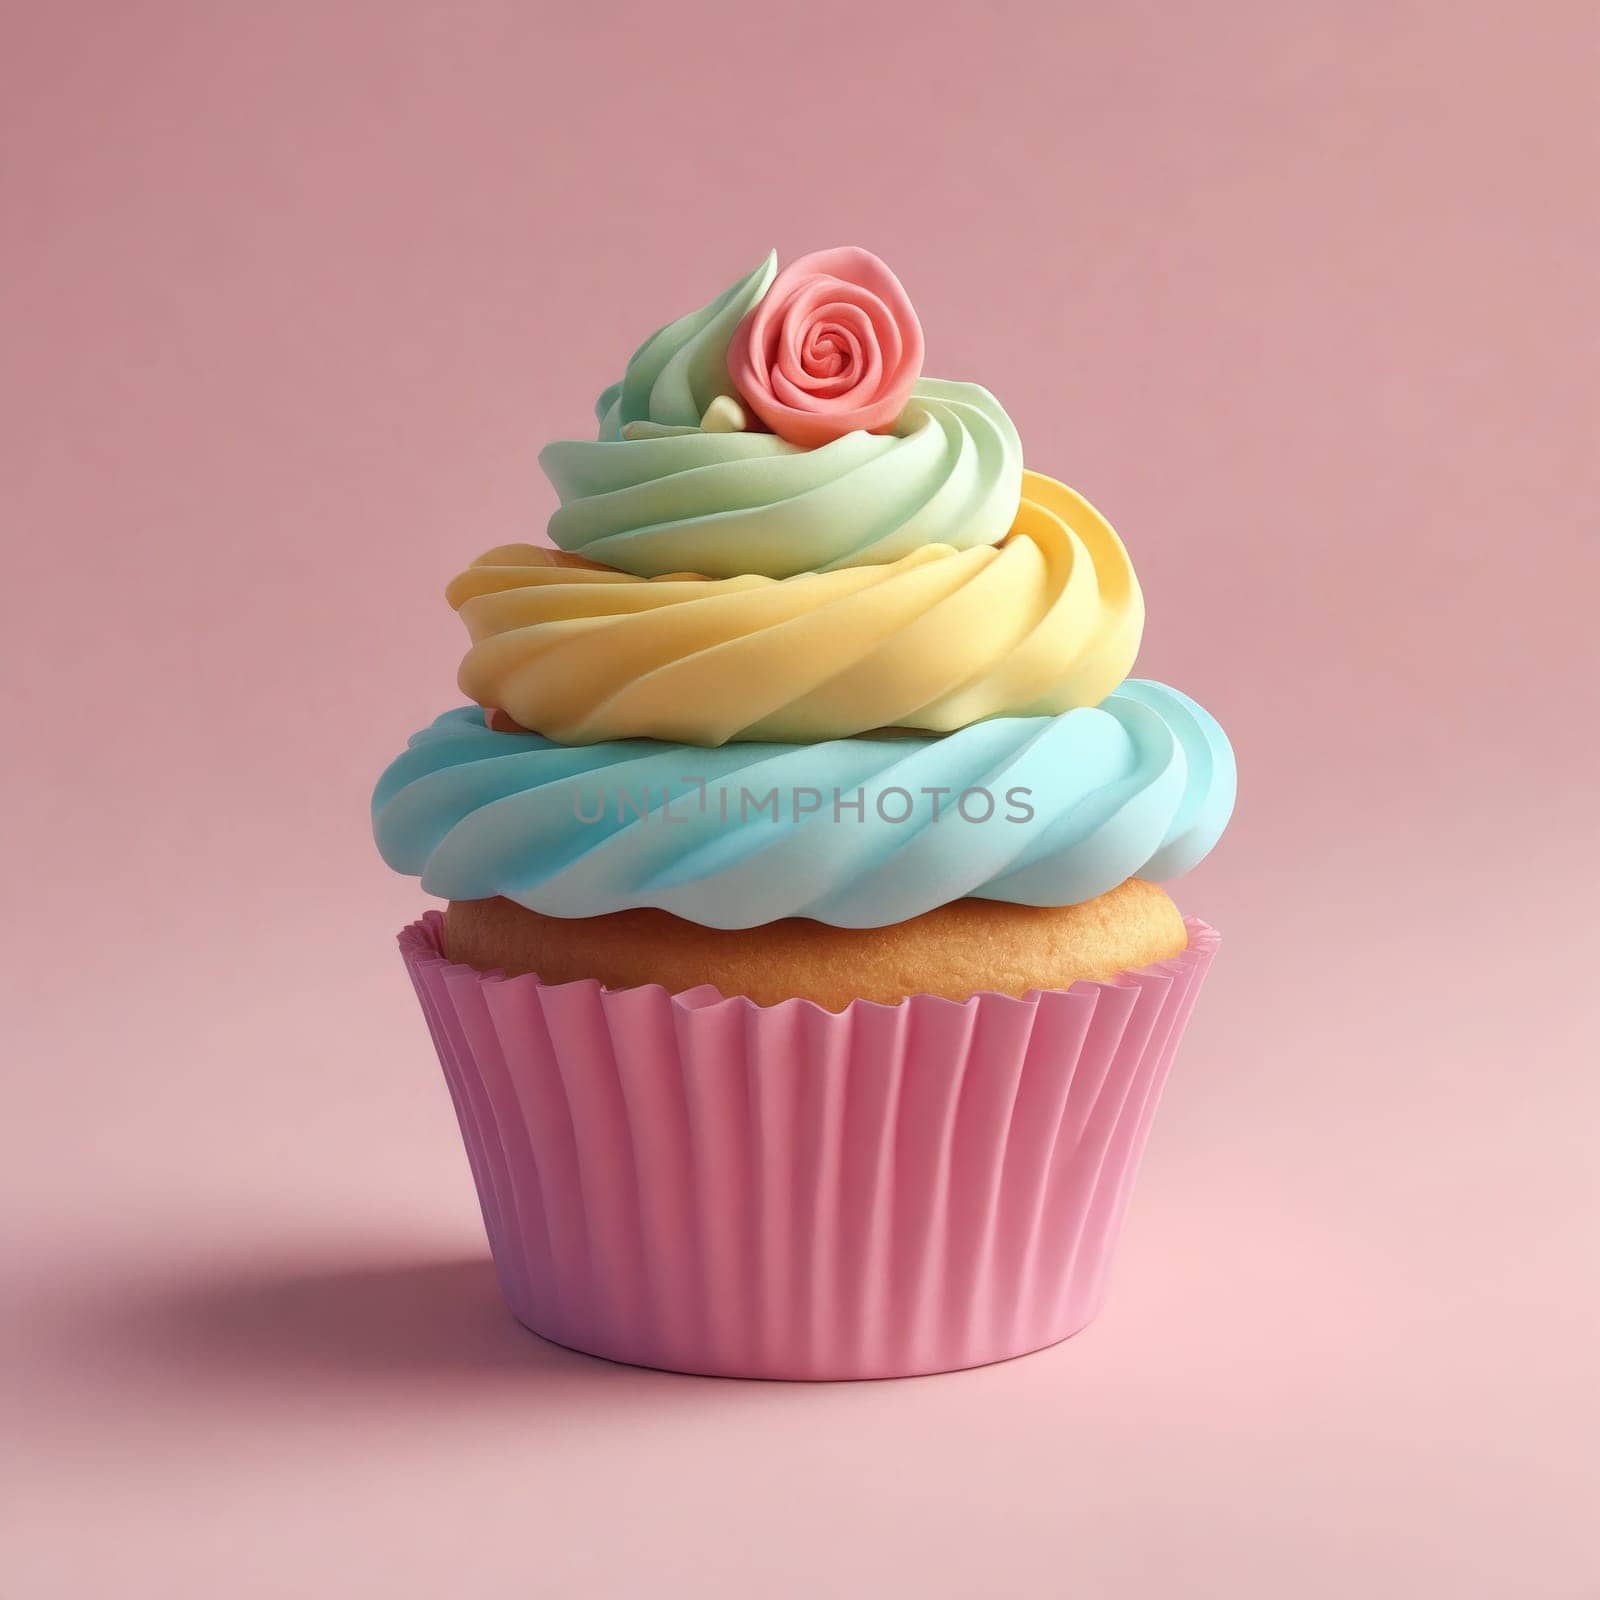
<point>1044,622</point>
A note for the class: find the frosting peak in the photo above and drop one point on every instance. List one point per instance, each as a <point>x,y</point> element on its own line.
<point>681,368</point>
<point>864,462</point>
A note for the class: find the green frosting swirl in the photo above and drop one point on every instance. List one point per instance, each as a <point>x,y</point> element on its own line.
<point>681,368</point>
<point>670,497</point>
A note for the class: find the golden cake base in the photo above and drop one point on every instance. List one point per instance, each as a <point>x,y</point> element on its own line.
<point>955,951</point>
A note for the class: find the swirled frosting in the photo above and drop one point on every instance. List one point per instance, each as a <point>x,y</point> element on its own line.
<point>680,369</point>
<point>759,662</point>
<point>658,493</point>
<point>853,832</point>
<point>672,499</point>
<point>1045,622</point>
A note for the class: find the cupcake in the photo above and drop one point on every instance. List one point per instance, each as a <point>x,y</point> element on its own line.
<point>805,985</point>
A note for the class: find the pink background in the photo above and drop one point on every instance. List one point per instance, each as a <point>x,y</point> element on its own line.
<point>1302,296</point>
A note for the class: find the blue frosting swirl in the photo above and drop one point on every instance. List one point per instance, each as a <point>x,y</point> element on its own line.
<point>860,833</point>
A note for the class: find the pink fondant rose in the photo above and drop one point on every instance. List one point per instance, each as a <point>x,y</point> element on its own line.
<point>832,346</point>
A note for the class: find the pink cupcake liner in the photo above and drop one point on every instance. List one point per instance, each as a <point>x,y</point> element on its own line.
<point>704,1184</point>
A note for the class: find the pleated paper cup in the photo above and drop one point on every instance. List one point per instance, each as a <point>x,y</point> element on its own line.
<point>704,1184</point>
